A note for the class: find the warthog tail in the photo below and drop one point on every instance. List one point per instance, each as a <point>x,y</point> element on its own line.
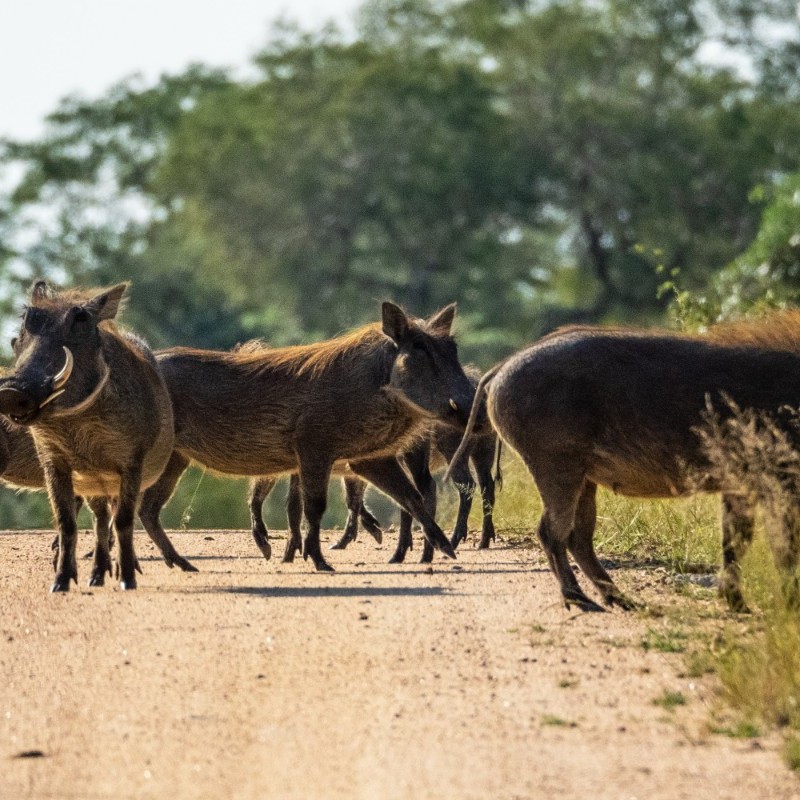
<point>473,415</point>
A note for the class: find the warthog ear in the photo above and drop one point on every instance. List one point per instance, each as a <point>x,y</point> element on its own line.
<point>442,320</point>
<point>106,304</point>
<point>40,290</point>
<point>395,322</point>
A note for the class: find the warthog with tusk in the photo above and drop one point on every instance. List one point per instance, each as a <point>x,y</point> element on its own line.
<point>359,399</point>
<point>99,412</point>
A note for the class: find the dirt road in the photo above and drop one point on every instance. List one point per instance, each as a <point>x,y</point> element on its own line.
<point>264,680</point>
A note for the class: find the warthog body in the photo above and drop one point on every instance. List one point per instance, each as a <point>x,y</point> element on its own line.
<point>99,413</point>
<point>356,400</point>
<point>623,409</point>
<point>19,462</point>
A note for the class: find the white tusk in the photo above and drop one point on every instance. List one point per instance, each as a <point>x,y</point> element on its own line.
<point>63,375</point>
<point>52,397</point>
<point>453,404</point>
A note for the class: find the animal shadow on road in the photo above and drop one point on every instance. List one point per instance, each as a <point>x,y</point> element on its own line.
<point>339,591</point>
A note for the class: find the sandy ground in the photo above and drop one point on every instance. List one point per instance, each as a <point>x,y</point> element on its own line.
<point>259,680</point>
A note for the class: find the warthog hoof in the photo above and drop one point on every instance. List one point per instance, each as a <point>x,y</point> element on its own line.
<point>371,526</point>
<point>343,542</point>
<point>179,561</point>
<point>487,537</point>
<point>98,578</point>
<point>619,599</point>
<point>580,600</point>
<point>63,578</point>
<point>457,537</point>
<point>262,542</point>
<point>128,585</point>
<point>446,548</point>
<point>399,556</point>
<point>734,598</point>
<point>320,564</point>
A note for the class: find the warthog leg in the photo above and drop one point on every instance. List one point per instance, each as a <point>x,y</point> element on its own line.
<point>738,520</point>
<point>314,476</point>
<point>417,461</point>
<point>130,481</point>
<point>482,459</point>
<point>58,478</point>
<point>560,489</point>
<point>259,491</point>
<point>582,548</point>
<point>465,486</point>
<point>153,500</point>
<point>294,514</point>
<point>388,476</point>
<point>785,553</point>
<point>103,539</point>
<point>354,489</point>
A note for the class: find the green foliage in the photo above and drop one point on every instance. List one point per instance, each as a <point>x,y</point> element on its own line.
<point>667,641</point>
<point>670,700</point>
<point>765,276</point>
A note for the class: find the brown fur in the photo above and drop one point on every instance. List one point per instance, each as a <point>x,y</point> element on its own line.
<point>358,399</point>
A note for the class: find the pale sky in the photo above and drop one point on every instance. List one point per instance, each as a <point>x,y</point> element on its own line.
<point>52,48</point>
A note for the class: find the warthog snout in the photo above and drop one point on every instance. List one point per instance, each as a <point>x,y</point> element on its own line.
<point>18,405</point>
<point>22,403</point>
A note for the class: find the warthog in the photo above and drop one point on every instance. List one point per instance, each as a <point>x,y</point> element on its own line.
<point>625,409</point>
<point>359,399</point>
<point>99,413</point>
<point>424,456</point>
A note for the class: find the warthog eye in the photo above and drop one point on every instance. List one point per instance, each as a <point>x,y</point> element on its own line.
<point>34,320</point>
<point>81,322</point>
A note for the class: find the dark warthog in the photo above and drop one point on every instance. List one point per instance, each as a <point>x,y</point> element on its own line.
<point>360,399</point>
<point>432,452</point>
<point>434,455</point>
<point>625,409</point>
<point>99,413</point>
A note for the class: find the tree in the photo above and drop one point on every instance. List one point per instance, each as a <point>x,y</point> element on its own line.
<point>648,152</point>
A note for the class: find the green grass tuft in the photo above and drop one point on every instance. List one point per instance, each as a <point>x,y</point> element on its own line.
<point>669,641</point>
<point>670,700</point>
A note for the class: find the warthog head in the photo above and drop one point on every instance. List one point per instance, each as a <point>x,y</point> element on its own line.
<point>426,371</point>
<point>59,368</point>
